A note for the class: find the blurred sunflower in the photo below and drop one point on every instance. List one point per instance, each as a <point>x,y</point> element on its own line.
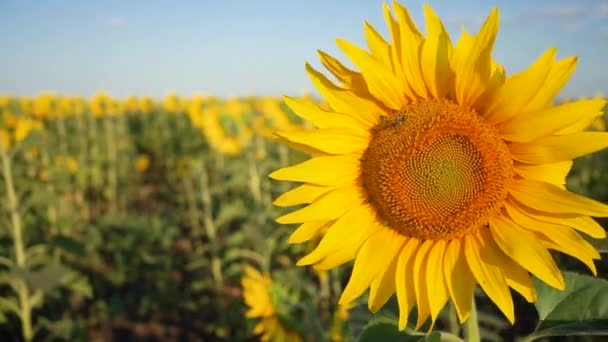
<point>142,163</point>
<point>436,172</point>
<point>257,295</point>
<point>226,126</point>
<point>272,117</point>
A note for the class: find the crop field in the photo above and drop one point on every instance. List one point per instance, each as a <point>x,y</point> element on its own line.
<point>139,219</point>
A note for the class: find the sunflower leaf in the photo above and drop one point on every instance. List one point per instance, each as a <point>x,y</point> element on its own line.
<point>582,308</point>
<point>387,330</point>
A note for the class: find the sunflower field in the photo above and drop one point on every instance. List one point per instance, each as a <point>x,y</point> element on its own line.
<point>144,219</point>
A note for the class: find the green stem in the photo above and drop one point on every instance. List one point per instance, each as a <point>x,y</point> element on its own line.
<point>111,155</point>
<point>472,325</point>
<point>211,229</point>
<point>453,319</point>
<point>25,313</point>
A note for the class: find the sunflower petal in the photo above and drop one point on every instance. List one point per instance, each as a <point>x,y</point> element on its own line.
<point>307,231</point>
<point>382,83</point>
<point>552,199</point>
<point>472,61</point>
<point>558,236</point>
<point>327,207</point>
<point>533,125</point>
<point>310,111</point>
<point>554,173</point>
<point>583,224</point>
<point>436,279</point>
<point>344,169</point>
<point>303,194</point>
<point>382,288</point>
<point>380,48</point>
<point>350,230</point>
<point>329,140</point>
<point>375,256</point>
<point>519,89</point>
<point>459,279</point>
<point>530,255</point>
<point>435,55</point>
<point>489,276</point>
<point>558,76</point>
<point>411,44</point>
<point>558,148</point>
<point>420,282</point>
<point>406,294</point>
<point>350,79</point>
<point>344,101</point>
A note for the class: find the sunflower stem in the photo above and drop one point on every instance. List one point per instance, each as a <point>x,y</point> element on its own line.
<point>25,308</point>
<point>472,325</point>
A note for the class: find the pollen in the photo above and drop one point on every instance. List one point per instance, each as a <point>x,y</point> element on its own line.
<point>436,170</point>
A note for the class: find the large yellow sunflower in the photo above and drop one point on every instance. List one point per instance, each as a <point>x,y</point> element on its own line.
<point>256,293</point>
<point>435,172</point>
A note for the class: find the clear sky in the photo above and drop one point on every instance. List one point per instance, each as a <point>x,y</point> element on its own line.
<point>256,47</point>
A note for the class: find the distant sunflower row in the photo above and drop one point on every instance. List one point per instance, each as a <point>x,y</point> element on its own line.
<point>228,124</point>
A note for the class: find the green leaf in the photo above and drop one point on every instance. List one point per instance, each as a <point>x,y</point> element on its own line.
<point>387,330</point>
<point>582,308</point>
<point>600,244</point>
<point>46,278</point>
<point>68,245</point>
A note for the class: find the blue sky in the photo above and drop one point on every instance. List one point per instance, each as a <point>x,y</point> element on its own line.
<point>255,47</point>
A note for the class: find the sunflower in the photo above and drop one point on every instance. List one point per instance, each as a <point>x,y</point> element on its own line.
<point>257,296</point>
<point>225,126</point>
<point>436,172</point>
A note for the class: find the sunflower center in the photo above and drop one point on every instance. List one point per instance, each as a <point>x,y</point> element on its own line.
<point>435,170</point>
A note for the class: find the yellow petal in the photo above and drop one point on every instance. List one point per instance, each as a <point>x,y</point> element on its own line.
<point>350,79</point>
<point>438,292</point>
<point>420,282</point>
<point>398,69</point>
<point>383,287</point>
<point>533,125</point>
<point>380,49</point>
<point>517,277</point>
<point>411,44</point>
<point>349,231</point>
<point>552,199</point>
<point>308,110</point>
<point>329,140</point>
<point>434,58</point>
<point>344,101</point>
<point>517,91</point>
<point>327,207</point>
<point>489,276</point>
<point>325,170</point>
<point>472,61</point>
<point>406,294</point>
<point>582,124</point>
<point>375,256</point>
<point>307,231</point>
<point>558,148</point>
<point>303,194</point>
<point>560,237</point>
<point>459,279</point>
<point>554,173</point>
<point>584,224</point>
<point>381,82</point>
<point>531,255</point>
<point>558,76</point>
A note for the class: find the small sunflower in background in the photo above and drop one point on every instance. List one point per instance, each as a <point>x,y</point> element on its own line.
<point>226,126</point>
<point>142,163</point>
<point>272,117</point>
<point>435,171</point>
<point>261,297</point>
<point>172,103</point>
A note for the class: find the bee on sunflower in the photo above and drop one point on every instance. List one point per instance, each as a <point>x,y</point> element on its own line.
<point>435,171</point>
